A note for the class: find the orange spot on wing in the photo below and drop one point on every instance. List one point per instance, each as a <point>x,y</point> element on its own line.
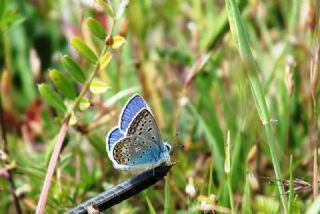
<point>118,153</point>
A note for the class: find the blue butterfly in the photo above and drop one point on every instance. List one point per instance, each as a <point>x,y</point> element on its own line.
<point>137,143</point>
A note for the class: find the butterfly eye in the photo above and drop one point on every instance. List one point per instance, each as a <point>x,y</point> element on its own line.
<point>168,146</point>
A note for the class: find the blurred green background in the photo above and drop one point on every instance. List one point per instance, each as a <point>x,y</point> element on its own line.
<point>180,56</point>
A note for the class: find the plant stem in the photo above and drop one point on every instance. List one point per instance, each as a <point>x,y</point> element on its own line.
<point>315,174</point>
<point>84,90</point>
<point>52,165</point>
<point>10,176</point>
<point>288,128</point>
<point>8,65</point>
<point>230,193</point>
<point>63,130</point>
<point>314,133</point>
<point>62,133</point>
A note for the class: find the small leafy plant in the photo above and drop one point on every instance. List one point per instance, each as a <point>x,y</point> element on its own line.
<point>65,85</point>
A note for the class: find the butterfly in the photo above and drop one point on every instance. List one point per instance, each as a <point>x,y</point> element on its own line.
<point>137,143</point>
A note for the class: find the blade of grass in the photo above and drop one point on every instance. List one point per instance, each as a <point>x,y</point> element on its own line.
<point>246,197</point>
<point>211,140</point>
<point>291,190</point>
<point>223,28</point>
<point>168,201</point>
<point>210,184</point>
<point>151,208</point>
<point>227,168</point>
<point>239,33</point>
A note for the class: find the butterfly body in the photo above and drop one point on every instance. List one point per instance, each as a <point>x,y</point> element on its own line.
<point>137,143</point>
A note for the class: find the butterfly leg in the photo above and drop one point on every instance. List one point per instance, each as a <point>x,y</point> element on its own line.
<point>153,165</point>
<point>168,161</point>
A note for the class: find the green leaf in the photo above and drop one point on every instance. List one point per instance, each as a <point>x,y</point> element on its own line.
<point>291,190</point>
<point>84,50</point>
<point>168,200</point>
<point>10,18</point>
<point>63,84</point>
<point>246,209</point>
<point>295,209</point>
<point>293,203</point>
<point>96,28</point>
<point>227,167</point>
<point>73,119</point>
<point>227,161</point>
<point>104,61</point>
<point>168,203</point>
<point>151,208</point>
<point>52,98</point>
<point>84,103</point>
<point>106,8</point>
<point>98,87</point>
<point>117,42</point>
<point>264,204</point>
<point>74,70</point>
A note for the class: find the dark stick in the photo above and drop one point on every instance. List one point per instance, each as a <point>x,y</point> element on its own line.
<point>123,191</point>
<point>6,151</point>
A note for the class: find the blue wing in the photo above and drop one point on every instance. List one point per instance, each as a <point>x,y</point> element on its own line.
<point>133,106</point>
<point>144,125</point>
<point>113,136</point>
<point>136,151</point>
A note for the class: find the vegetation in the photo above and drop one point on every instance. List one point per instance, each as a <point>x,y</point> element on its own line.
<point>235,82</point>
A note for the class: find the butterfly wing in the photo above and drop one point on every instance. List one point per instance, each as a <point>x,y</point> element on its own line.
<point>145,126</point>
<point>133,106</point>
<point>135,152</point>
<point>137,142</point>
<point>113,136</point>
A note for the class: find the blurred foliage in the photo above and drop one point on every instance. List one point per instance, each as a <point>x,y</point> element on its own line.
<point>180,56</point>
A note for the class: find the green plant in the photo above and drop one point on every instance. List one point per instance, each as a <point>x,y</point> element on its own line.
<point>65,87</point>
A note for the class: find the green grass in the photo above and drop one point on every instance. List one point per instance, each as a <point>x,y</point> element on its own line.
<point>204,67</point>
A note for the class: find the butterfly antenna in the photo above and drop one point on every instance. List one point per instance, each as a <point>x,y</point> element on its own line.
<point>173,137</point>
<point>180,146</point>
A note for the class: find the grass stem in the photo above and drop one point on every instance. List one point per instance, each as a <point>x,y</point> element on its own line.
<point>239,34</point>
